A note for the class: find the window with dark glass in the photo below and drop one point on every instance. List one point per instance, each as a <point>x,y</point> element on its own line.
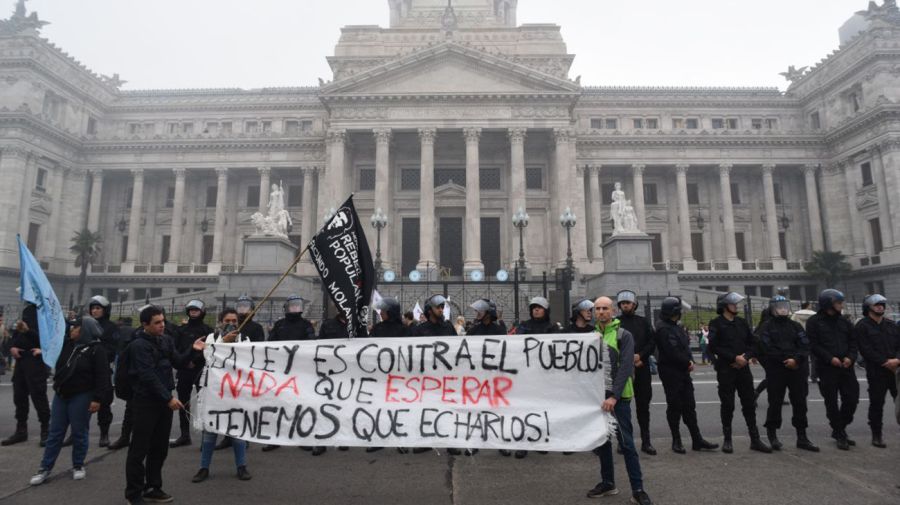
<point>650,196</point>
<point>606,191</point>
<point>409,248</point>
<point>735,193</point>
<point>697,247</point>
<point>170,197</point>
<point>740,246</point>
<point>40,182</point>
<point>367,179</point>
<point>656,250</point>
<point>211,196</point>
<point>295,195</point>
<point>693,193</point>
<point>534,178</point>
<point>489,178</point>
<point>866,171</point>
<point>490,244</point>
<point>166,245</point>
<point>447,175</point>
<point>875,227</point>
<point>253,196</point>
<point>410,179</point>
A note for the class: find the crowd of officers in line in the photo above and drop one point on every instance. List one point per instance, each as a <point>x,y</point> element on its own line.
<point>784,346</point>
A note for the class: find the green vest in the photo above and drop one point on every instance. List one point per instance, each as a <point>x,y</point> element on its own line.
<point>611,339</point>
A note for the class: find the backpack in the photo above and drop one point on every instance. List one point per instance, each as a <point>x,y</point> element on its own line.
<point>121,379</point>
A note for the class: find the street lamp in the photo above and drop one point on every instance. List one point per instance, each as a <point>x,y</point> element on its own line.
<point>379,222</point>
<point>520,221</point>
<point>568,220</point>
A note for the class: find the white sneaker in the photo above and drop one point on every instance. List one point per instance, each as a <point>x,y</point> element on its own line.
<point>39,477</point>
<point>78,473</point>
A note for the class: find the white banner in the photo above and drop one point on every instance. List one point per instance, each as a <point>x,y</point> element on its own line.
<point>540,392</point>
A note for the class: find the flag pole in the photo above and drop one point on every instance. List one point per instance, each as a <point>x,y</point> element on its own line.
<point>269,294</point>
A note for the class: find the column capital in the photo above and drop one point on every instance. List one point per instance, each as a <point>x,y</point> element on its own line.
<point>597,168</point>
<point>561,135</point>
<point>810,169</point>
<point>15,152</point>
<point>682,168</point>
<point>137,172</point>
<point>309,171</point>
<point>95,171</point>
<point>768,168</point>
<point>472,134</point>
<point>179,172</point>
<point>517,135</point>
<point>382,135</point>
<point>427,135</point>
<point>638,168</point>
<point>222,172</point>
<point>336,135</point>
<point>264,171</point>
<point>725,169</point>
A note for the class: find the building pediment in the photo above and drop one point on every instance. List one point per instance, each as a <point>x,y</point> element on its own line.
<point>449,68</point>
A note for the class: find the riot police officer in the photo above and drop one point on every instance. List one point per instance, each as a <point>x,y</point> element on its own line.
<point>582,318</point>
<point>99,308</point>
<point>676,362</point>
<point>485,319</point>
<point>434,325</point>
<point>732,347</point>
<point>879,343</point>
<point>831,340</point>
<point>391,324</point>
<point>186,378</point>
<point>293,326</point>
<point>333,328</point>
<point>29,377</point>
<point>644,347</point>
<point>783,353</point>
<point>251,329</point>
<point>539,322</point>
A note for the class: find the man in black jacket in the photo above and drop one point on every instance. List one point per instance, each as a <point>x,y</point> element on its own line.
<point>879,343</point>
<point>252,330</point>
<point>334,328</point>
<point>29,378</point>
<point>150,359</point>
<point>644,347</point>
<point>186,377</point>
<point>292,326</point>
<point>783,353</point>
<point>435,325</point>
<point>390,325</point>
<point>732,347</point>
<point>676,362</point>
<point>539,322</point>
<point>832,341</point>
<point>485,319</point>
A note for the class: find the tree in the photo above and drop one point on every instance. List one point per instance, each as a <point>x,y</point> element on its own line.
<point>86,248</point>
<point>830,266</point>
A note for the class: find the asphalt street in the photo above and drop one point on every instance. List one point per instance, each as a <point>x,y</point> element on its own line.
<point>865,475</point>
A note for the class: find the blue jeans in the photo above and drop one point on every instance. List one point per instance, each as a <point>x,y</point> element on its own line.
<point>209,445</point>
<point>622,411</point>
<point>64,413</point>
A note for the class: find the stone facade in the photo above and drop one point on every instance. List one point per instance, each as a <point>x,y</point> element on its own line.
<point>449,120</point>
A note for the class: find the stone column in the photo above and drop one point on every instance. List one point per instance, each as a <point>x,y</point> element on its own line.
<point>57,184</point>
<point>308,225</point>
<point>264,189</point>
<point>684,217</point>
<point>221,204</point>
<point>563,198</point>
<point>734,263</point>
<point>334,175</point>
<point>771,216</point>
<point>383,190</point>
<point>596,211</point>
<point>134,222</point>
<point>812,207</point>
<point>26,191</point>
<point>473,202</point>
<point>427,261</point>
<point>93,223</point>
<point>638,182</point>
<point>884,204</point>
<point>177,229</point>
<point>12,172</point>
<point>854,222</point>
<point>516,184</point>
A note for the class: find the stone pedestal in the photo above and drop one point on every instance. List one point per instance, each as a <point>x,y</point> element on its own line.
<point>267,254</point>
<point>628,264</point>
<point>265,259</point>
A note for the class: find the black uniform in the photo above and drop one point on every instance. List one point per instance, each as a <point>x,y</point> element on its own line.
<point>110,342</point>
<point>292,327</point>
<point>728,340</point>
<point>778,340</point>
<point>333,328</point>
<point>187,377</point>
<point>30,376</point>
<point>253,330</point>
<point>536,327</point>
<point>486,329</point>
<point>439,329</point>
<point>675,358</point>
<point>831,336</point>
<point>878,342</point>
<point>389,328</point>
<point>644,345</point>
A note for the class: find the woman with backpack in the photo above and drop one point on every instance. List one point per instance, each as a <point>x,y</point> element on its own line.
<point>81,382</point>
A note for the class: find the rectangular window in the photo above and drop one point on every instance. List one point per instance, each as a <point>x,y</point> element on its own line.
<point>875,227</point>
<point>741,246</point>
<point>211,196</point>
<point>697,247</point>
<point>735,193</point>
<point>170,197</point>
<point>854,102</point>
<point>677,124</point>
<point>211,127</point>
<point>292,127</point>
<point>756,123</point>
<point>92,126</point>
<point>40,182</point>
<point>692,124</point>
<point>134,128</point>
<point>34,231</point>
<point>166,245</point>
<point>207,250</point>
<point>782,244</point>
<point>606,191</point>
<point>611,124</point>
<point>650,196</point>
<point>172,128</point>
<point>866,172</point>
<point>490,244</point>
<point>306,126</point>
<point>187,128</point>
<point>777,188</point>
<point>155,292</point>
<point>367,179</point>
<point>225,127</point>
<point>410,179</point>
<point>410,244</point>
<point>656,250</point>
<point>266,126</point>
<point>140,294</point>
<point>766,291</point>
<point>489,179</point>
<point>771,123</point>
<point>718,123</point>
<point>693,191</point>
<point>596,124</point>
<point>638,123</point>
<point>814,122</point>
<point>751,290</point>
<point>123,253</point>
<point>295,195</point>
<point>129,194</point>
<point>251,127</point>
<point>450,175</point>
<point>253,197</point>
<point>653,124</point>
<point>534,178</point>
<point>731,123</point>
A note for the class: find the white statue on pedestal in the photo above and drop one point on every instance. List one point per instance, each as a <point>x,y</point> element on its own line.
<point>622,212</point>
<point>277,221</point>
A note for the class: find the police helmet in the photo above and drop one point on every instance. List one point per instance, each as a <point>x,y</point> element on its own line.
<point>727,299</point>
<point>294,305</point>
<point>871,301</point>
<point>540,301</point>
<point>829,297</point>
<point>244,305</point>
<point>777,303</point>
<point>195,305</point>
<point>100,301</point>
<point>391,306</point>
<point>672,306</point>
<point>583,304</point>
<point>486,306</point>
<point>433,302</point>
<point>627,295</point>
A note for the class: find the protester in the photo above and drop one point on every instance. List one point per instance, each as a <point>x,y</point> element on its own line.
<point>29,377</point>
<point>644,347</point>
<point>879,342</point>
<point>460,325</point>
<point>227,334</point>
<point>186,378</point>
<point>409,320</point>
<point>82,384</point>
<point>703,337</point>
<point>620,348</point>
<point>150,359</point>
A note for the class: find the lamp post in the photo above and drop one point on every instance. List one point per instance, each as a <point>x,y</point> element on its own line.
<point>379,222</point>
<point>568,221</point>
<point>520,221</point>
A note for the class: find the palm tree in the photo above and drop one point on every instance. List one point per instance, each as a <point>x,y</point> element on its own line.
<point>86,248</point>
<point>830,266</point>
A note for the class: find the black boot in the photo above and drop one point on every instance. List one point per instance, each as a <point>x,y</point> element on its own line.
<point>698,443</point>
<point>646,446</point>
<point>104,436</point>
<point>877,439</point>
<point>842,434</point>
<point>45,431</point>
<point>677,446</point>
<point>180,441</point>
<point>804,443</point>
<point>846,436</point>
<point>20,435</point>
<point>773,439</point>
<point>756,443</point>
<point>727,446</point>
<point>120,443</point>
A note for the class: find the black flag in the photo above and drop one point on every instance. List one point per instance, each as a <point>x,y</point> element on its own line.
<point>341,255</point>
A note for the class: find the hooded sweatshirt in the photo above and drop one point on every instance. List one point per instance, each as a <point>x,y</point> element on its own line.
<point>82,366</point>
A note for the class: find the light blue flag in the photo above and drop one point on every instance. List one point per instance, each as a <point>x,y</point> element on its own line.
<point>37,290</point>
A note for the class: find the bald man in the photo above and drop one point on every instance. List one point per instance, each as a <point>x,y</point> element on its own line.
<point>620,347</point>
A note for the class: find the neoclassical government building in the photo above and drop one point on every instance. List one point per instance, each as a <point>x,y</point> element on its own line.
<point>449,120</point>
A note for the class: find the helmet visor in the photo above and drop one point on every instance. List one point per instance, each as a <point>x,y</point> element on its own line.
<point>437,301</point>
<point>781,308</point>
<point>481,306</point>
<point>295,306</point>
<point>243,307</point>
